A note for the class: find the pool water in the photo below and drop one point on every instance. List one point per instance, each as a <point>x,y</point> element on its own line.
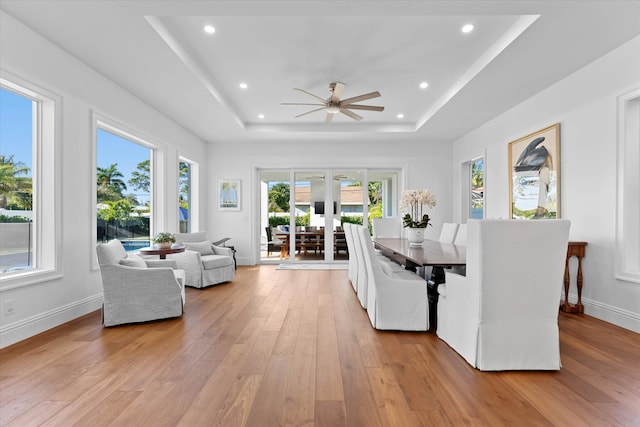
<point>134,245</point>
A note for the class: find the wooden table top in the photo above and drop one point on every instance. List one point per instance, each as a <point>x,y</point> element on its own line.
<point>431,252</point>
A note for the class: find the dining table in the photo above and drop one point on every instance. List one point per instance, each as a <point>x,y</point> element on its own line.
<point>431,253</point>
<point>306,240</point>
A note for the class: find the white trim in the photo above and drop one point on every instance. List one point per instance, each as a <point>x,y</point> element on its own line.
<point>609,313</point>
<point>47,184</point>
<point>158,173</point>
<point>627,256</point>
<point>26,328</point>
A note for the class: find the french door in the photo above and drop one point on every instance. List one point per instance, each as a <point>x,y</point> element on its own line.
<point>303,210</point>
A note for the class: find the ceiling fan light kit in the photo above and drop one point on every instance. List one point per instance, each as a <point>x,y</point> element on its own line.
<point>334,105</point>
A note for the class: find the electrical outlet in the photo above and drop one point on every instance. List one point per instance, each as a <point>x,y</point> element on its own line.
<point>9,309</point>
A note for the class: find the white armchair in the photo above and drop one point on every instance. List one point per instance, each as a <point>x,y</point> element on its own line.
<point>204,263</point>
<point>504,314</point>
<point>133,291</point>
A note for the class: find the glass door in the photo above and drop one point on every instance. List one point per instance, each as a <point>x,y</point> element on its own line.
<point>309,218</point>
<point>275,213</point>
<point>302,212</point>
<point>350,198</point>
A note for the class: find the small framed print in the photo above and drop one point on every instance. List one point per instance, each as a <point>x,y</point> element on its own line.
<point>534,175</point>
<point>229,194</point>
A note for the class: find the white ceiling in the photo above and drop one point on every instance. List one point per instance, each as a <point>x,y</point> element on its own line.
<point>158,51</point>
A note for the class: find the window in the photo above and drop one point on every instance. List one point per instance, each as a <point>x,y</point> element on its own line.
<point>628,183</point>
<point>29,183</point>
<point>476,189</point>
<point>123,188</point>
<point>186,183</point>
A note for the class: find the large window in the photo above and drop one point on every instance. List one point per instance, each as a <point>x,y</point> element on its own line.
<point>476,188</point>
<point>186,182</point>
<point>628,209</point>
<point>29,183</point>
<point>123,189</point>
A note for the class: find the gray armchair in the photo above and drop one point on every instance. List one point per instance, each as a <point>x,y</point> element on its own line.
<point>204,263</point>
<point>135,290</point>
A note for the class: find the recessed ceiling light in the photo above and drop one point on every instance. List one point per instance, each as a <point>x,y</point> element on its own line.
<point>467,28</point>
<point>400,116</point>
<point>209,29</point>
<point>424,85</point>
<point>243,85</point>
<point>261,116</point>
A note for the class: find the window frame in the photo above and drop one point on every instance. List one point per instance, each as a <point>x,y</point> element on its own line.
<point>627,185</point>
<point>47,184</point>
<point>194,184</point>
<point>157,173</point>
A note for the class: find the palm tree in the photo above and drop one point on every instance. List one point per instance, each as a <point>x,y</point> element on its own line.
<point>110,184</point>
<point>140,179</point>
<point>10,180</point>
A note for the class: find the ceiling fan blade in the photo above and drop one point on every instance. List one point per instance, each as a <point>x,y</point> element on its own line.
<point>309,93</point>
<point>351,114</point>
<point>298,103</point>
<point>365,107</point>
<point>309,112</point>
<point>329,118</point>
<point>359,98</point>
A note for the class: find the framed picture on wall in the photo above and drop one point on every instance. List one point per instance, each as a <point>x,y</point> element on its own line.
<point>534,175</point>
<point>229,194</point>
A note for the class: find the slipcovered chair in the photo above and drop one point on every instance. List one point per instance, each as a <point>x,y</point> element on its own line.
<point>504,314</point>
<point>448,232</point>
<point>204,263</point>
<point>365,245</point>
<point>353,259</point>
<point>461,235</point>
<point>138,290</point>
<point>386,227</point>
<point>396,300</point>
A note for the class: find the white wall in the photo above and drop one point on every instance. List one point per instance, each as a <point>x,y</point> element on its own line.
<point>27,55</point>
<point>426,165</point>
<point>585,106</point>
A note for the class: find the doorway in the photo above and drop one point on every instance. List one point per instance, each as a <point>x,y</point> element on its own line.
<point>302,211</point>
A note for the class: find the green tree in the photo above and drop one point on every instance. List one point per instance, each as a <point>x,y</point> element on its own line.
<point>184,178</point>
<point>279,197</point>
<point>374,190</point>
<point>15,185</point>
<point>118,211</point>
<point>110,184</point>
<point>141,178</point>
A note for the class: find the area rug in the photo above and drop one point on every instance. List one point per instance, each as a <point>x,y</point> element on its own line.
<point>313,267</point>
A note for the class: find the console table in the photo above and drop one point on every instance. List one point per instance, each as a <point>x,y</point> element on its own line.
<point>573,249</point>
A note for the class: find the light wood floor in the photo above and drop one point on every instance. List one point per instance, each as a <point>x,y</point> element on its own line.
<point>283,347</point>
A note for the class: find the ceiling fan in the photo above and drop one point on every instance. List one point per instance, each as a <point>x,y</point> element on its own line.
<point>334,104</point>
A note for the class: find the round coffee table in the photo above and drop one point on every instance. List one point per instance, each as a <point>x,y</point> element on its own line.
<point>163,252</point>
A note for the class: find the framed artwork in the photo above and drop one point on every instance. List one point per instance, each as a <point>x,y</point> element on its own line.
<point>534,175</point>
<point>229,194</point>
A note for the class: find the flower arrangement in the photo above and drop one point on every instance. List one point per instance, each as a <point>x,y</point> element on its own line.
<point>164,237</point>
<point>413,203</point>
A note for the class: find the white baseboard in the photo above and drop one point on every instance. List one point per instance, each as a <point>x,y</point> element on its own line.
<point>617,316</point>
<point>25,328</point>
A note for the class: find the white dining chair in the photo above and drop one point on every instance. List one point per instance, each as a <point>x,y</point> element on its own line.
<point>504,314</point>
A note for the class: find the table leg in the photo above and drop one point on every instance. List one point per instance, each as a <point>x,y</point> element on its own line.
<point>566,307</point>
<point>437,277</point>
<point>579,306</point>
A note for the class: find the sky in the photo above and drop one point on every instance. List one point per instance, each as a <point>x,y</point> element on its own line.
<point>115,149</point>
<point>15,127</point>
<point>16,140</point>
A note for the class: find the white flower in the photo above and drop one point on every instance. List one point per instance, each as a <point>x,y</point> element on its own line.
<point>413,202</point>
